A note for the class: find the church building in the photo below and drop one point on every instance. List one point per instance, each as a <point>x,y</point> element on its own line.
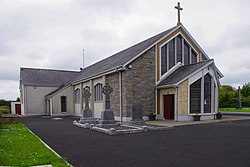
<point>169,74</point>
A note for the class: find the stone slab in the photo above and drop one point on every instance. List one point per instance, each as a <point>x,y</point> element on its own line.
<point>107,122</point>
<point>107,117</point>
<point>137,112</point>
<point>89,120</point>
<point>87,113</point>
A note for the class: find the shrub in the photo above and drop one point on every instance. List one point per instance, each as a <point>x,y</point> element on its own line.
<point>4,110</point>
<point>245,102</point>
<point>5,103</point>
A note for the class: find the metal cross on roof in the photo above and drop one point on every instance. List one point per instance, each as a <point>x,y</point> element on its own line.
<point>178,7</point>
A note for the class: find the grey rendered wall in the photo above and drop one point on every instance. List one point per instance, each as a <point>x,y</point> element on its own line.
<point>34,99</point>
<point>56,101</point>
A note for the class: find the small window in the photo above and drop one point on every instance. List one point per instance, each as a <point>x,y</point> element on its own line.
<point>164,59</point>
<point>186,53</point>
<point>98,92</point>
<point>77,96</point>
<point>207,93</point>
<point>179,48</point>
<point>63,104</point>
<point>193,56</point>
<point>171,53</point>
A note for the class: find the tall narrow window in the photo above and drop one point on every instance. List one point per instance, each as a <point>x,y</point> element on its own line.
<point>164,59</point>
<point>176,50</point>
<point>195,97</point>
<point>171,53</point>
<point>63,104</point>
<point>194,56</point>
<point>77,96</point>
<point>179,48</point>
<point>98,92</point>
<point>186,54</point>
<point>207,93</point>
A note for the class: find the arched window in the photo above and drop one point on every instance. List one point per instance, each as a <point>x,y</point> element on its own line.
<point>98,92</point>
<point>195,97</point>
<point>77,96</point>
<point>201,102</point>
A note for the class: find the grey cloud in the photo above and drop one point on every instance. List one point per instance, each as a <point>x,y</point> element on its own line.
<point>48,34</point>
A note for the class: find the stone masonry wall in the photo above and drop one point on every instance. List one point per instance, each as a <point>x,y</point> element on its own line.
<point>113,80</point>
<point>183,106</point>
<point>138,84</point>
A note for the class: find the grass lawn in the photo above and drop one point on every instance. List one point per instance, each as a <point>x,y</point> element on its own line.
<point>18,147</point>
<point>234,110</point>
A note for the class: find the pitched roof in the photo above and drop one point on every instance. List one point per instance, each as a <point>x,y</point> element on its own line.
<point>182,72</point>
<point>46,77</point>
<point>120,58</point>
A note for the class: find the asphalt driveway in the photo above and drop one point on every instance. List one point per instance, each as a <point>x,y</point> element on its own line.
<point>218,144</point>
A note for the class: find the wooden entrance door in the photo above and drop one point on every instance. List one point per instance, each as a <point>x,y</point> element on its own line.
<point>63,104</point>
<point>168,101</point>
<point>18,109</point>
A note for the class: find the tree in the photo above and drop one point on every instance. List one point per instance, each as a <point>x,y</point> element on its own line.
<point>246,101</point>
<point>245,91</point>
<point>228,96</point>
<point>18,99</point>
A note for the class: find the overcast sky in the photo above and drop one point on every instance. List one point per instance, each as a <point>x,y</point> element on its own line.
<point>50,33</point>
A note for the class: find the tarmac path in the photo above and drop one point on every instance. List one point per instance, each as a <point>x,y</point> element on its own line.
<point>215,144</point>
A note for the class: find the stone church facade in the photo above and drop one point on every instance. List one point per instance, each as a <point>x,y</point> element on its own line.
<point>169,74</point>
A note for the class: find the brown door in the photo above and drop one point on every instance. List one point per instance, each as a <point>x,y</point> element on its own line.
<point>18,109</point>
<point>63,104</point>
<point>168,106</point>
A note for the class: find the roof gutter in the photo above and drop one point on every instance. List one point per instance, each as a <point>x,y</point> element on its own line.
<point>110,71</point>
<point>206,65</point>
<point>167,86</point>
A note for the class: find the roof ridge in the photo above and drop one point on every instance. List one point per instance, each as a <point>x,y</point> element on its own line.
<point>122,57</point>
<point>130,47</point>
<point>48,69</point>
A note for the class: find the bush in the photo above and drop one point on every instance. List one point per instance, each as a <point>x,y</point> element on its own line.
<point>245,102</point>
<point>4,110</point>
<point>5,103</point>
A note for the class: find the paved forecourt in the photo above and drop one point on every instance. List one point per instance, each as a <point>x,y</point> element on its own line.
<point>214,144</point>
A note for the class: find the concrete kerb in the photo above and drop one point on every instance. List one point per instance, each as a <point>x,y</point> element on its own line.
<point>171,123</point>
<point>49,149</point>
<point>236,113</point>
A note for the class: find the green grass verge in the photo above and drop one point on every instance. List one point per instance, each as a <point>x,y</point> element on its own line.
<point>4,110</point>
<point>234,110</point>
<point>19,147</point>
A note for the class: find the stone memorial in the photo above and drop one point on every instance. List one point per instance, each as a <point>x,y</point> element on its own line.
<point>238,106</point>
<point>87,112</point>
<point>107,116</point>
<point>137,114</point>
